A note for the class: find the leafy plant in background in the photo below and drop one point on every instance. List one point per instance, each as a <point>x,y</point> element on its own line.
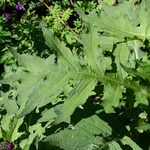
<point>23,23</point>
<point>97,100</point>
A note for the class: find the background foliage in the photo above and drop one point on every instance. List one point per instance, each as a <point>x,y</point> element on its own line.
<point>75,75</point>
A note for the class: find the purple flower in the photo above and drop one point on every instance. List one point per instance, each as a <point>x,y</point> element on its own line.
<point>20,6</point>
<point>6,16</point>
<point>6,145</point>
<point>9,145</point>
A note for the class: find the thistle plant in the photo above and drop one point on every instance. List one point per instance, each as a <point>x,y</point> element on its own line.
<point>98,99</point>
<point>6,145</point>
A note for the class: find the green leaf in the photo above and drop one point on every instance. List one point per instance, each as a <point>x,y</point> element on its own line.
<point>5,122</point>
<point>16,134</point>
<point>48,115</point>
<point>46,92</point>
<point>73,140</point>
<point>95,125</point>
<point>123,21</point>
<point>37,64</point>
<point>90,43</point>
<point>128,141</point>
<point>123,56</point>
<point>135,46</point>
<point>142,70</point>
<point>141,97</point>
<point>112,96</point>
<point>65,54</point>
<point>144,127</point>
<point>82,136</point>
<point>140,94</point>
<point>35,131</point>
<point>129,71</point>
<point>93,55</point>
<point>107,42</point>
<point>10,105</point>
<point>114,146</point>
<point>110,2</point>
<point>78,97</point>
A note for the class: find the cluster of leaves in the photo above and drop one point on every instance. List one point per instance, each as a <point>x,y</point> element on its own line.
<point>58,15</point>
<point>20,28</point>
<point>24,24</point>
<point>97,100</point>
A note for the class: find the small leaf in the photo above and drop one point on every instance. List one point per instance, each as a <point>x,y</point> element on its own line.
<point>78,97</point>
<point>122,56</point>
<point>112,96</point>
<point>10,105</point>
<point>128,141</point>
<point>16,134</point>
<point>95,125</point>
<point>48,115</point>
<point>144,127</point>
<point>5,122</point>
<point>141,97</point>
<point>114,146</point>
